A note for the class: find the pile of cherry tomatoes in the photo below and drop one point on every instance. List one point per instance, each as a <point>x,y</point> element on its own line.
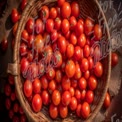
<point>56,59</point>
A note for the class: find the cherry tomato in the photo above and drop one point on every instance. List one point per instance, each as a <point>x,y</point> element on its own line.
<point>16,107</point>
<point>57,23</point>
<point>82,40</point>
<point>107,100</point>
<point>97,32</point>
<point>36,86</point>
<point>58,59</point>
<point>78,72</point>
<point>30,40</point>
<point>74,83</point>
<point>65,83</point>
<point>52,86</point>
<point>7,89</point>
<point>21,111</point>
<point>78,110</point>
<point>70,68</point>
<point>25,35</point>
<point>89,96</point>
<point>58,76</point>
<point>75,9</point>
<point>83,94</point>
<point>14,30</point>
<point>37,103</point>
<point>62,44</point>
<point>23,49</point>
<point>84,64</point>
<point>86,74</point>
<point>73,38</point>
<point>60,2</point>
<point>28,88</point>
<point>114,59</point>
<point>98,69</point>
<point>92,83</point>
<point>44,13</point>
<point>73,22</point>
<point>14,15</point>
<point>78,94</point>
<point>49,25</point>
<point>63,111</point>
<point>23,4</point>
<point>50,73</point>
<point>65,26</point>
<point>4,45</point>
<point>66,98</point>
<point>45,97</point>
<point>56,97</point>
<point>70,50</point>
<point>39,26</point>
<point>86,51</point>
<point>66,10</point>
<point>30,56</point>
<point>30,25</point>
<point>91,63</point>
<point>82,83</point>
<point>85,110</point>
<point>54,36</point>
<point>88,26</point>
<point>78,53</point>
<point>53,13</point>
<point>13,96</point>
<point>53,111</point>
<point>97,53</point>
<point>8,103</point>
<point>73,104</point>
<point>72,91</point>
<point>79,29</point>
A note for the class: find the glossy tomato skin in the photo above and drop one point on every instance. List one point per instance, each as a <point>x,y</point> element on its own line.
<point>70,50</point>
<point>14,15</point>
<point>37,103</point>
<point>66,98</point>
<point>84,64</point>
<point>82,40</point>
<point>23,4</point>
<point>56,97</point>
<point>39,26</point>
<point>78,95</point>
<point>83,95</point>
<point>50,73</point>
<point>23,49</point>
<point>44,82</point>
<point>73,38</point>
<point>49,25</point>
<point>4,45</point>
<point>45,97</point>
<point>85,110</point>
<point>72,91</point>
<point>75,9</point>
<point>89,96</point>
<point>53,111</point>
<point>58,76</point>
<point>54,36</point>
<point>98,69</point>
<point>92,83</point>
<point>53,13</point>
<point>97,32</point>
<point>36,86</point>
<point>74,83</point>
<point>30,25</point>
<point>86,74</point>
<point>60,2</point>
<point>25,35</point>
<point>65,10</point>
<point>30,41</point>
<point>57,23</point>
<point>65,26</point>
<point>82,83</point>
<point>28,88</point>
<point>73,104</point>
<point>73,22</point>
<point>44,13</point>
<point>78,53</point>
<point>65,83</point>
<point>62,44</point>
<point>86,51</point>
<point>70,68</point>
<point>78,110</point>
<point>107,100</point>
<point>114,59</point>
<point>91,62</point>
<point>51,86</point>
<point>63,111</point>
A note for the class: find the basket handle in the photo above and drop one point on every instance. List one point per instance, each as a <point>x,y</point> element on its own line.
<point>13,69</point>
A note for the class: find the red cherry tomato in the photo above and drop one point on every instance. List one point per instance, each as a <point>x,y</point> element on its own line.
<point>86,74</point>
<point>50,73</point>
<point>114,59</point>
<point>28,88</point>
<point>65,26</point>
<point>54,36</point>
<point>49,25</point>
<point>14,15</point>
<point>74,83</point>
<point>30,25</point>
<point>75,9</point>
<point>51,86</point>
<point>92,83</point>
<point>83,94</point>
<point>97,32</point>
<point>39,26</point>
<point>78,110</point>
<point>45,97</point>
<point>86,51</point>
<point>63,111</point>
<point>70,50</point>
<point>85,110</point>
<point>4,45</point>
<point>91,63</point>
<point>73,22</point>
<point>60,2</point>
<point>89,96</point>
<point>66,10</point>
<point>23,4</point>
<point>25,35</point>
<point>65,83</point>
<point>56,97</point>
<point>30,40</point>
<point>53,111</point>
<point>44,13</point>
<point>73,38</point>
<point>78,53</point>
<point>44,82</point>
<point>58,76</point>
<point>98,69</point>
<point>107,100</point>
<point>13,96</point>
<point>82,40</point>
<point>53,13</point>
<point>57,23</point>
<point>73,104</point>
<point>16,107</point>
<point>84,64</point>
<point>66,98</point>
<point>78,95</point>
<point>37,103</point>
<point>70,68</point>
<point>14,30</point>
<point>82,83</point>
<point>30,56</point>
<point>72,91</point>
<point>23,49</point>
<point>36,86</point>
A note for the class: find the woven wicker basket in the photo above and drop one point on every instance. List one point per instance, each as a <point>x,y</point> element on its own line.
<point>89,8</point>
